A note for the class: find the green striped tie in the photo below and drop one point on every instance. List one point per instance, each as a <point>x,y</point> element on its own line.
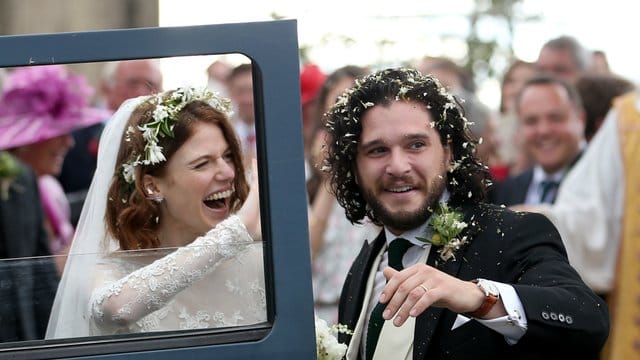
<point>396,250</point>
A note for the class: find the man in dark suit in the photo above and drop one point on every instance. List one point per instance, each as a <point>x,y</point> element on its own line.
<point>551,122</point>
<point>28,279</point>
<point>466,280</point>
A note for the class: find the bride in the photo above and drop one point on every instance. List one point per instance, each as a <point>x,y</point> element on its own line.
<point>169,171</point>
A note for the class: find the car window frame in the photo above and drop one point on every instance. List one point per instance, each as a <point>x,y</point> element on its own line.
<point>273,49</point>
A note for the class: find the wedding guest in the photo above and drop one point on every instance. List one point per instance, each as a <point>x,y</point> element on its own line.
<point>334,85</point>
<point>450,74</point>
<point>551,125</point>
<point>465,279</point>
<point>510,148</point>
<point>217,75</point>
<point>40,107</point>
<point>128,79</point>
<point>240,83</point>
<point>458,82</point>
<point>311,81</point>
<point>599,63</point>
<point>169,252</point>
<point>28,275</point>
<point>597,92</point>
<point>334,240</point>
<point>121,80</point>
<point>565,58</point>
<point>596,212</point>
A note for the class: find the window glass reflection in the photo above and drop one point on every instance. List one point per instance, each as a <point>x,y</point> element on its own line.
<point>169,232</point>
<point>27,290</point>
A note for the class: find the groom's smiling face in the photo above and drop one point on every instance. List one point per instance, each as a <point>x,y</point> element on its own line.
<point>401,164</point>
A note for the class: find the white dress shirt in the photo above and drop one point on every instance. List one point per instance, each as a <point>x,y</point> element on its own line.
<point>534,193</point>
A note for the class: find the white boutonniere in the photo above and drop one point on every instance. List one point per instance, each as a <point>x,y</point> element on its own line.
<point>446,224</point>
<point>327,345</point>
<point>9,171</point>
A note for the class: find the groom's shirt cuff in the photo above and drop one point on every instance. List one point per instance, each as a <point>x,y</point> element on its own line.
<point>513,325</point>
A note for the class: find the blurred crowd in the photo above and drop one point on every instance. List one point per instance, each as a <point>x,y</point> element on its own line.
<point>562,142</point>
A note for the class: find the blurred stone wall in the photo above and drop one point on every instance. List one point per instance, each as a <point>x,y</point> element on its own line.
<point>53,16</point>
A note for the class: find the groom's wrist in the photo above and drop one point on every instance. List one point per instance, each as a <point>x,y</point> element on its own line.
<point>490,296</point>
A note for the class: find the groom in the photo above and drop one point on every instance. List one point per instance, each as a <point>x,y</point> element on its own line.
<point>449,276</point>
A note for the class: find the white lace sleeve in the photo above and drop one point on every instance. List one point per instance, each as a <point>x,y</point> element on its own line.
<point>125,300</point>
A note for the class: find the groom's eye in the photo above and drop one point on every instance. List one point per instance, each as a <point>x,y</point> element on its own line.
<point>377,151</point>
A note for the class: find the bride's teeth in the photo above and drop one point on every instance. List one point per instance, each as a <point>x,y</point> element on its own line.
<point>220,195</point>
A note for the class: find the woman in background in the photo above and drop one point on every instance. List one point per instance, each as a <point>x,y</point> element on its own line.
<point>334,240</point>
<point>39,108</point>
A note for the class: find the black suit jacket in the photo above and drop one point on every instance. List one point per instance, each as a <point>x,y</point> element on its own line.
<point>513,190</point>
<point>28,279</point>
<point>520,249</point>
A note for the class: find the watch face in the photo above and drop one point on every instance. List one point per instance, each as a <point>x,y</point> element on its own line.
<point>488,287</point>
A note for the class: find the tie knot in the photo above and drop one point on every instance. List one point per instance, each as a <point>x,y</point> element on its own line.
<point>396,250</point>
<point>548,189</point>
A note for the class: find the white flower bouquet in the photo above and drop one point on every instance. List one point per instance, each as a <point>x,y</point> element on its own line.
<point>327,345</point>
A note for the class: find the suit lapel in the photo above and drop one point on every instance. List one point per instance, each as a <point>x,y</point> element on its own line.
<point>427,323</point>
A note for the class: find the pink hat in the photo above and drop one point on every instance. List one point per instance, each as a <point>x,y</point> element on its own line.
<point>42,102</point>
<point>311,80</point>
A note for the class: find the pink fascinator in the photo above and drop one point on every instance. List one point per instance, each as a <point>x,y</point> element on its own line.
<point>42,102</point>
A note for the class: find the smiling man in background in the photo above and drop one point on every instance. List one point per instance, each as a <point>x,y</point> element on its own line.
<point>551,124</point>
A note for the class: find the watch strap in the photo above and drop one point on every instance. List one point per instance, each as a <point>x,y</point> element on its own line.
<point>489,301</point>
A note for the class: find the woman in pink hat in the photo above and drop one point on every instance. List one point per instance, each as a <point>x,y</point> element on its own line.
<point>39,108</point>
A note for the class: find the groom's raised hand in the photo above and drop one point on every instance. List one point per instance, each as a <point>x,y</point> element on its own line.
<point>411,291</point>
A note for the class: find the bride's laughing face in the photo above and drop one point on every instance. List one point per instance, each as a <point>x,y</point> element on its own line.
<point>197,186</point>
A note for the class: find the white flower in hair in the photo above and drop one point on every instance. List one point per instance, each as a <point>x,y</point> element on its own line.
<point>149,134</point>
<point>128,172</point>
<point>155,154</point>
<point>160,113</point>
<point>164,116</point>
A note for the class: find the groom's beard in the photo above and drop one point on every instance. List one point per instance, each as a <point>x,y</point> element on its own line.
<point>406,220</point>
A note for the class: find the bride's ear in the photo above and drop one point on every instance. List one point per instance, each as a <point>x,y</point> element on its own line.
<point>150,188</point>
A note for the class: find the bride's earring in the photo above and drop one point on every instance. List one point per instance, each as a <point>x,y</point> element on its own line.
<point>154,197</point>
<point>157,198</point>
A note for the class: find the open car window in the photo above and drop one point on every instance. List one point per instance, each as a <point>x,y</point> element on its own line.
<point>285,329</point>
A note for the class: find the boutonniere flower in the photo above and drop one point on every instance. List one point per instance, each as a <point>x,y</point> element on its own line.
<point>9,171</point>
<point>327,345</point>
<point>446,225</point>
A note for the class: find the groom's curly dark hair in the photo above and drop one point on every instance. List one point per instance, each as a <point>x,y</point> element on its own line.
<point>466,182</point>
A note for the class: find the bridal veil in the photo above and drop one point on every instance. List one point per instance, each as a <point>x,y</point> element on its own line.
<point>70,312</point>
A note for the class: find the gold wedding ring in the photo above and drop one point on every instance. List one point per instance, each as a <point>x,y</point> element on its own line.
<point>426,289</point>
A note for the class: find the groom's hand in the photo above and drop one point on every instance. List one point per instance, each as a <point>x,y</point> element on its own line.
<point>411,291</point>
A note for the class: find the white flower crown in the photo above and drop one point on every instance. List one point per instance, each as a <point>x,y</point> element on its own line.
<point>163,121</point>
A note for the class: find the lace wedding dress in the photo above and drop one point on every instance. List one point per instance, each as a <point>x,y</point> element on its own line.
<point>216,281</point>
